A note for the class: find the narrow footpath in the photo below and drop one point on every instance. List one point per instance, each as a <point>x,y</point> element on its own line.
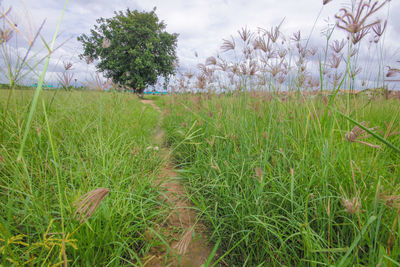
<point>187,244</point>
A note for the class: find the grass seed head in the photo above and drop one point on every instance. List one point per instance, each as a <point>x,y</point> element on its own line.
<point>355,133</point>
<point>355,22</point>
<point>87,204</point>
<point>184,243</point>
<point>392,201</point>
<point>259,173</point>
<point>352,205</point>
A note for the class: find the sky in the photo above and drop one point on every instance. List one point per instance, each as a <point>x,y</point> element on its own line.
<point>201,24</point>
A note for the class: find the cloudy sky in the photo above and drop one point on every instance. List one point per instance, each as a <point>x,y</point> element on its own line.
<point>201,24</point>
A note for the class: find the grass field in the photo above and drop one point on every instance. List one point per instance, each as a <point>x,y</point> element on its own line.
<point>279,184</point>
<point>274,178</point>
<point>88,140</point>
<point>287,154</point>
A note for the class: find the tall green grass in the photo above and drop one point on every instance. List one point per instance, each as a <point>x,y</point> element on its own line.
<point>279,184</point>
<point>84,140</point>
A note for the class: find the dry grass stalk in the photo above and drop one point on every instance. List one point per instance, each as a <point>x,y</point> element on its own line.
<point>87,204</point>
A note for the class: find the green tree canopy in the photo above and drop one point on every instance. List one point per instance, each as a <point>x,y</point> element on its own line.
<point>133,48</point>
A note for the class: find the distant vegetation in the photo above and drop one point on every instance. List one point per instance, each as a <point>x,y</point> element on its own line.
<point>133,49</point>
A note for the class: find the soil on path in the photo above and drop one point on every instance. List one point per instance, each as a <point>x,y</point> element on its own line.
<point>187,243</point>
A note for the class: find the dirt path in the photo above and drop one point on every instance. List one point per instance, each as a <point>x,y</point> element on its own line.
<point>187,237</point>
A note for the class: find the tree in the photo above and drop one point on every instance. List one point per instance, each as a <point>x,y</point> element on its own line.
<point>133,48</point>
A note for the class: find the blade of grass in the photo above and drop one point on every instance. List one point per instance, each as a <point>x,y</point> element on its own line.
<point>39,89</point>
<point>212,254</point>
<point>357,240</point>
<point>232,248</point>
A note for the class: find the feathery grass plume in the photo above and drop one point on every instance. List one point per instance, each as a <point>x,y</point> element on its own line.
<point>352,205</point>
<point>184,243</point>
<point>246,35</point>
<point>358,133</point>
<point>98,84</point>
<point>356,22</point>
<point>87,204</point>
<point>228,45</point>
<point>66,77</point>
<point>274,33</point>
<point>211,61</point>
<point>334,61</point>
<point>337,46</point>
<point>262,44</point>
<point>296,36</point>
<point>392,201</point>
<point>379,30</point>
<point>259,173</point>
